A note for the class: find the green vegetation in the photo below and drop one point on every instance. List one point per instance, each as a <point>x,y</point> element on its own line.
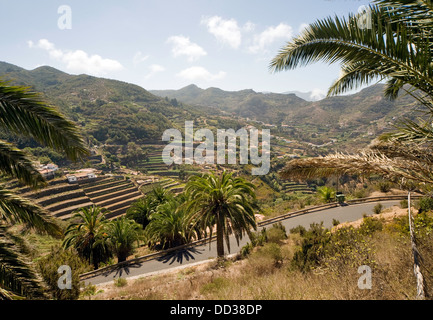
<point>224,201</point>
<point>313,263</point>
<point>50,128</point>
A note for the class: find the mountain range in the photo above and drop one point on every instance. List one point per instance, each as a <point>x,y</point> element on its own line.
<point>116,112</point>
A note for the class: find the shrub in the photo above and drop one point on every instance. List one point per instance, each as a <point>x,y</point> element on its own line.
<point>378,208</point>
<point>246,250</point>
<point>384,186</point>
<point>120,282</point>
<point>404,204</point>
<point>48,267</point>
<point>335,222</point>
<point>259,238</point>
<point>425,204</point>
<point>370,225</point>
<point>277,233</point>
<point>266,260</point>
<point>299,229</point>
<point>313,246</point>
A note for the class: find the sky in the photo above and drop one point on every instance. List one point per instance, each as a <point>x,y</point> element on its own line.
<point>169,44</point>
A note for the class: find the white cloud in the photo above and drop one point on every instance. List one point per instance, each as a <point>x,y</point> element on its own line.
<point>302,27</point>
<point>225,31</point>
<point>139,58</point>
<point>200,73</point>
<point>271,34</point>
<point>183,46</point>
<point>154,69</point>
<point>249,26</point>
<point>78,61</point>
<point>317,94</point>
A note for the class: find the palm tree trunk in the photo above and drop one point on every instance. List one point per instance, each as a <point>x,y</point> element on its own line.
<point>220,238</point>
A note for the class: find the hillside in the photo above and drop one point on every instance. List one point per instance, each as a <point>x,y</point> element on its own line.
<point>111,111</point>
<point>348,121</point>
<point>114,112</point>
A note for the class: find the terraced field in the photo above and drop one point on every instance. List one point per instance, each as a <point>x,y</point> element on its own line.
<point>289,187</point>
<point>62,198</point>
<point>112,193</point>
<point>167,183</point>
<point>154,162</point>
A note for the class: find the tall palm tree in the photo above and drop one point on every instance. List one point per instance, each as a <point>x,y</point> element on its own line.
<point>89,235</point>
<point>122,234</point>
<point>23,112</point>
<point>222,201</point>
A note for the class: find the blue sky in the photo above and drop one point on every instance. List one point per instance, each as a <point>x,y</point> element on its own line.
<point>168,44</point>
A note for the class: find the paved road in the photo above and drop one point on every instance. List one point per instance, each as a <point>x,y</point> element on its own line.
<point>202,253</point>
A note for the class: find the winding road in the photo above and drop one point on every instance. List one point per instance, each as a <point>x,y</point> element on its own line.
<point>202,253</point>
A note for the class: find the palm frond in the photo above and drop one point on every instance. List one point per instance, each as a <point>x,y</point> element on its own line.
<point>24,113</point>
<point>384,50</point>
<point>365,163</point>
<point>16,164</point>
<point>17,278</point>
<point>14,208</point>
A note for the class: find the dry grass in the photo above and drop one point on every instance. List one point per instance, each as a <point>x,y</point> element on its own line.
<point>268,274</point>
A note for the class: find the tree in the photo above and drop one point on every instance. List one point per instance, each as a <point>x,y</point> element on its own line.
<point>222,201</point>
<point>169,225</point>
<point>88,236</point>
<point>141,210</point>
<point>24,113</point>
<point>326,194</point>
<point>122,233</point>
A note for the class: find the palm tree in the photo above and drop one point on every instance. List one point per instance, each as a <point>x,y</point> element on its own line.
<point>222,201</point>
<point>141,210</point>
<point>23,112</point>
<point>89,235</point>
<point>122,234</point>
<point>169,225</point>
<point>326,194</point>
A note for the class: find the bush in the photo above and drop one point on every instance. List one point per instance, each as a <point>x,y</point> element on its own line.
<point>378,208</point>
<point>404,204</point>
<point>370,225</point>
<point>49,265</point>
<point>259,238</point>
<point>120,282</point>
<point>266,260</point>
<point>299,229</point>
<point>277,233</point>
<point>313,247</point>
<point>384,186</point>
<point>425,204</point>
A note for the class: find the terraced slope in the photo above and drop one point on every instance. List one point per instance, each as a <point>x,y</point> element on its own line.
<point>112,193</point>
<point>289,187</point>
<point>60,198</point>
